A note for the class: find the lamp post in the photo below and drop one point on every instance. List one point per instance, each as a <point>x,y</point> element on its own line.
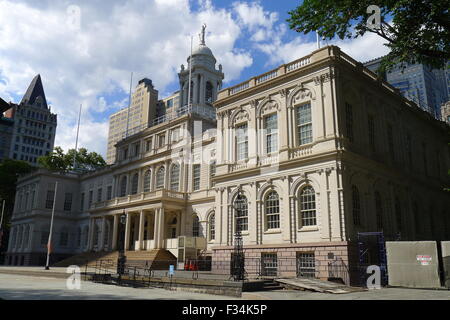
<point>122,258</point>
<point>238,263</point>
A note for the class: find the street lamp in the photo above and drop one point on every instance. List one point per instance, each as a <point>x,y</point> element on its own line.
<point>238,263</point>
<point>122,258</point>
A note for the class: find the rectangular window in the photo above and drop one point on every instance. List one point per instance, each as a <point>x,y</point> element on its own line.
<point>242,142</point>
<point>269,264</point>
<point>109,193</point>
<point>212,172</point>
<point>99,194</point>
<point>371,127</point>
<point>306,265</point>
<point>91,198</point>
<point>304,124</point>
<point>196,177</point>
<point>390,141</point>
<point>49,200</point>
<point>162,140</point>
<point>349,121</point>
<point>271,126</point>
<point>175,135</point>
<point>68,202</point>
<point>82,202</point>
<point>148,145</point>
<point>137,148</point>
<point>409,150</point>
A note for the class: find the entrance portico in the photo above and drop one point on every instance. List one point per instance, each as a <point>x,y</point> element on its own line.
<point>145,228</point>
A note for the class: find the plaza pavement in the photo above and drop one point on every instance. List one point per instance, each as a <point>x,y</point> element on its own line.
<point>38,287</point>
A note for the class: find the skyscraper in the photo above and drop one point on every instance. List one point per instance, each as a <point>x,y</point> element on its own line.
<point>425,86</point>
<point>34,126</point>
<point>142,111</point>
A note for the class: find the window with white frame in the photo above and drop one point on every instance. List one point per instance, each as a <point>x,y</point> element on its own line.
<point>175,177</point>
<point>50,198</point>
<point>160,177</point>
<point>196,177</point>
<point>308,206</point>
<point>242,142</point>
<point>196,227</point>
<point>212,226</point>
<point>304,124</point>
<point>162,140</point>
<point>147,180</point>
<point>241,212</point>
<point>212,172</point>
<point>271,131</point>
<point>272,209</point>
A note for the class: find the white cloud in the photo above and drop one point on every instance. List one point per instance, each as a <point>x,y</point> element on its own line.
<point>92,65</point>
<point>150,38</point>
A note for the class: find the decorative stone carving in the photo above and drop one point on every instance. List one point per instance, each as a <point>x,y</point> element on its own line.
<point>241,116</point>
<point>302,95</point>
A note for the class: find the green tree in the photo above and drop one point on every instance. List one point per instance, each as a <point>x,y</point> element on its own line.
<point>415,31</point>
<point>60,161</point>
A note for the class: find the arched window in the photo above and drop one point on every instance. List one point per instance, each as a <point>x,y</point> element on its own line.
<point>160,178</point>
<point>398,213</point>
<point>272,209</point>
<point>308,206</point>
<point>304,124</point>
<point>147,180</point>
<point>175,177</point>
<point>78,243</point>
<point>196,227</point>
<point>134,183</point>
<point>356,206</point>
<point>96,234</point>
<point>241,213</point>
<point>123,187</point>
<point>64,237</point>
<point>20,237</point>
<point>212,226</point>
<point>209,93</point>
<point>26,237</point>
<point>85,236</point>
<point>379,210</point>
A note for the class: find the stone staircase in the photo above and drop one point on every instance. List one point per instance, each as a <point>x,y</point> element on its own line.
<point>158,259</point>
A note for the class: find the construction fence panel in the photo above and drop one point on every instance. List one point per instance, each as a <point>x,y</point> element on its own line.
<point>413,264</point>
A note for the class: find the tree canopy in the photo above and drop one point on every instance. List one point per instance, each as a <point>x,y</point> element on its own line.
<point>84,160</point>
<point>416,31</point>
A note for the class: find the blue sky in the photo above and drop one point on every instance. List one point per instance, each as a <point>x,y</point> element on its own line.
<point>87,57</point>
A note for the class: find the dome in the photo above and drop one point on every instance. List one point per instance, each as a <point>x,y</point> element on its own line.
<point>204,50</point>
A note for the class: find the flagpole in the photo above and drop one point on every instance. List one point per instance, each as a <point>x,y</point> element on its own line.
<point>3,211</point>
<point>76,141</point>
<point>129,106</point>
<point>49,244</point>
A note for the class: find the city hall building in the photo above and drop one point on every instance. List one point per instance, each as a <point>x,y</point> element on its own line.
<point>299,160</point>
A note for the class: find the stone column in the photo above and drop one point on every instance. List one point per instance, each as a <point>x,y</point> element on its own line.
<point>115,231</point>
<point>141,230</point>
<point>91,234</point>
<point>161,235</point>
<point>102,237</point>
<point>156,229</point>
<point>127,232</point>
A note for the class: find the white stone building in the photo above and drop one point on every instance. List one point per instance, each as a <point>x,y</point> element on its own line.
<point>314,151</point>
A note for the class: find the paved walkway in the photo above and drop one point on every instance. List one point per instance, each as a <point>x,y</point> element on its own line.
<point>38,287</point>
<point>21,287</point>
